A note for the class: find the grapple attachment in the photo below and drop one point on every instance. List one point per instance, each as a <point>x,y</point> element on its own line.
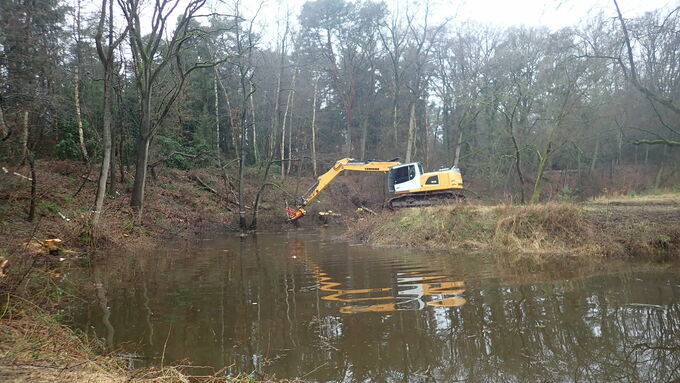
<point>295,213</point>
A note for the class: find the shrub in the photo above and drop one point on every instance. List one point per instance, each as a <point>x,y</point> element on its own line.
<point>569,194</point>
<point>68,147</point>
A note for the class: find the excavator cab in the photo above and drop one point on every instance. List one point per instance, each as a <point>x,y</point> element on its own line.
<point>404,177</point>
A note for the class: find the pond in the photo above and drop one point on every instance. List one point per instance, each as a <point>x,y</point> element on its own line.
<point>305,305</point>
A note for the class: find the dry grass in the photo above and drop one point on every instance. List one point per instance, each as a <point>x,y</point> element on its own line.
<point>553,228</point>
<point>35,347</point>
<point>539,233</point>
<point>433,227</point>
<point>665,197</point>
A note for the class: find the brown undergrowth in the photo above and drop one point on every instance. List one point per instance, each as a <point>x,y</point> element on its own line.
<point>178,203</point>
<point>535,232</point>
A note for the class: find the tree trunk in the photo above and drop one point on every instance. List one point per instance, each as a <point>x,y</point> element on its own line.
<point>76,87</point>
<point>275,118</point>
<point>348,132</point>
<point>263,184</point>
<point>316,90</point>
<point>241,180</point>
<point>141,162</point>
<point>112,167</point>
<point>106,133</point>
<point>283,125</point>
<point>106,161</point>
<point>659,173</point>
<point>646,154</point>
<point>448,131</point>
<point>426,123</point>
<point>543,160</point>
<point>411,132</point>
<point>24,138</point>
<point>364,135</point>
<point>4,130</point>
<point>620,147</point>
<point>112,163</point>
<point>256,154</point>
<point>232,123</point>
<point>395,127</point>
<point>595,154</point>
<point>217,120</point>
<point>34,186</point>
<point>459,145</point>
<point>518,164</point>
<point>121,163</point>
<point>79,120</point>
<point>290,126</point>
<point>106,58</point>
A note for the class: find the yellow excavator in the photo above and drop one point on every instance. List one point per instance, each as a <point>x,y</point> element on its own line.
<point>408,184</point>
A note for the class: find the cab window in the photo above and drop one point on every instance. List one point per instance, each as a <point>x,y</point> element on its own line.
<point>404,174</point>
<point>400,175</point>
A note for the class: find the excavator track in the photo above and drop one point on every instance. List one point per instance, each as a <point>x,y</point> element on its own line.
<point>427,199</point>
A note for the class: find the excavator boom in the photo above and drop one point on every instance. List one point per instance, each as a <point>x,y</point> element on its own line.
<point>325,179</point>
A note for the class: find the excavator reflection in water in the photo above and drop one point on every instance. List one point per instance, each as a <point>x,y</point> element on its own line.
<point>413,291</point>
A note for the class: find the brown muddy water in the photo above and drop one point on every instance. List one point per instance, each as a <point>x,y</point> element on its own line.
<point>302,305</point>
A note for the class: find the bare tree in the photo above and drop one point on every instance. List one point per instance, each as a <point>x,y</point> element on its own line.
<point>106,58</point>
<point>632,75</point>
<point>289,106</point>
<point>245,46</point>
<point>393,42</point>
<point>153,59</point>
<point>76,84</point>
<point>338,31</point>
<point>423,41</point>
<point>315,97</point>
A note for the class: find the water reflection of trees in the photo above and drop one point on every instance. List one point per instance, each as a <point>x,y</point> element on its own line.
<point>259,307</point>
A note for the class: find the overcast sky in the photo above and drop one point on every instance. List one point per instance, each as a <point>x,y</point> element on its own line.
<point>554,14</point>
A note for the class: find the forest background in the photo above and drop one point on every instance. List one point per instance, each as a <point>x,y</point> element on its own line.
<point>527,112</point>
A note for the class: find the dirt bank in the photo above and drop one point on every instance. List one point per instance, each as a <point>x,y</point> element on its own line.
<point>614,227</point>
<point>179,204</point>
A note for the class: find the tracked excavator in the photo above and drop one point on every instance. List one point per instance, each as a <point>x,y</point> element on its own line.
<point>408,184</point>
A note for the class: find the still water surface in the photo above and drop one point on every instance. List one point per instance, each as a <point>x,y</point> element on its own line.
<point>303,305</point>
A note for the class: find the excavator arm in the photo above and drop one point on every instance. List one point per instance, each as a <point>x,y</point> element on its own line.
<point>325,179</point>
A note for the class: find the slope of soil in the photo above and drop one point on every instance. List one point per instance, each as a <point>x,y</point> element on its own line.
<point>178,204</point>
